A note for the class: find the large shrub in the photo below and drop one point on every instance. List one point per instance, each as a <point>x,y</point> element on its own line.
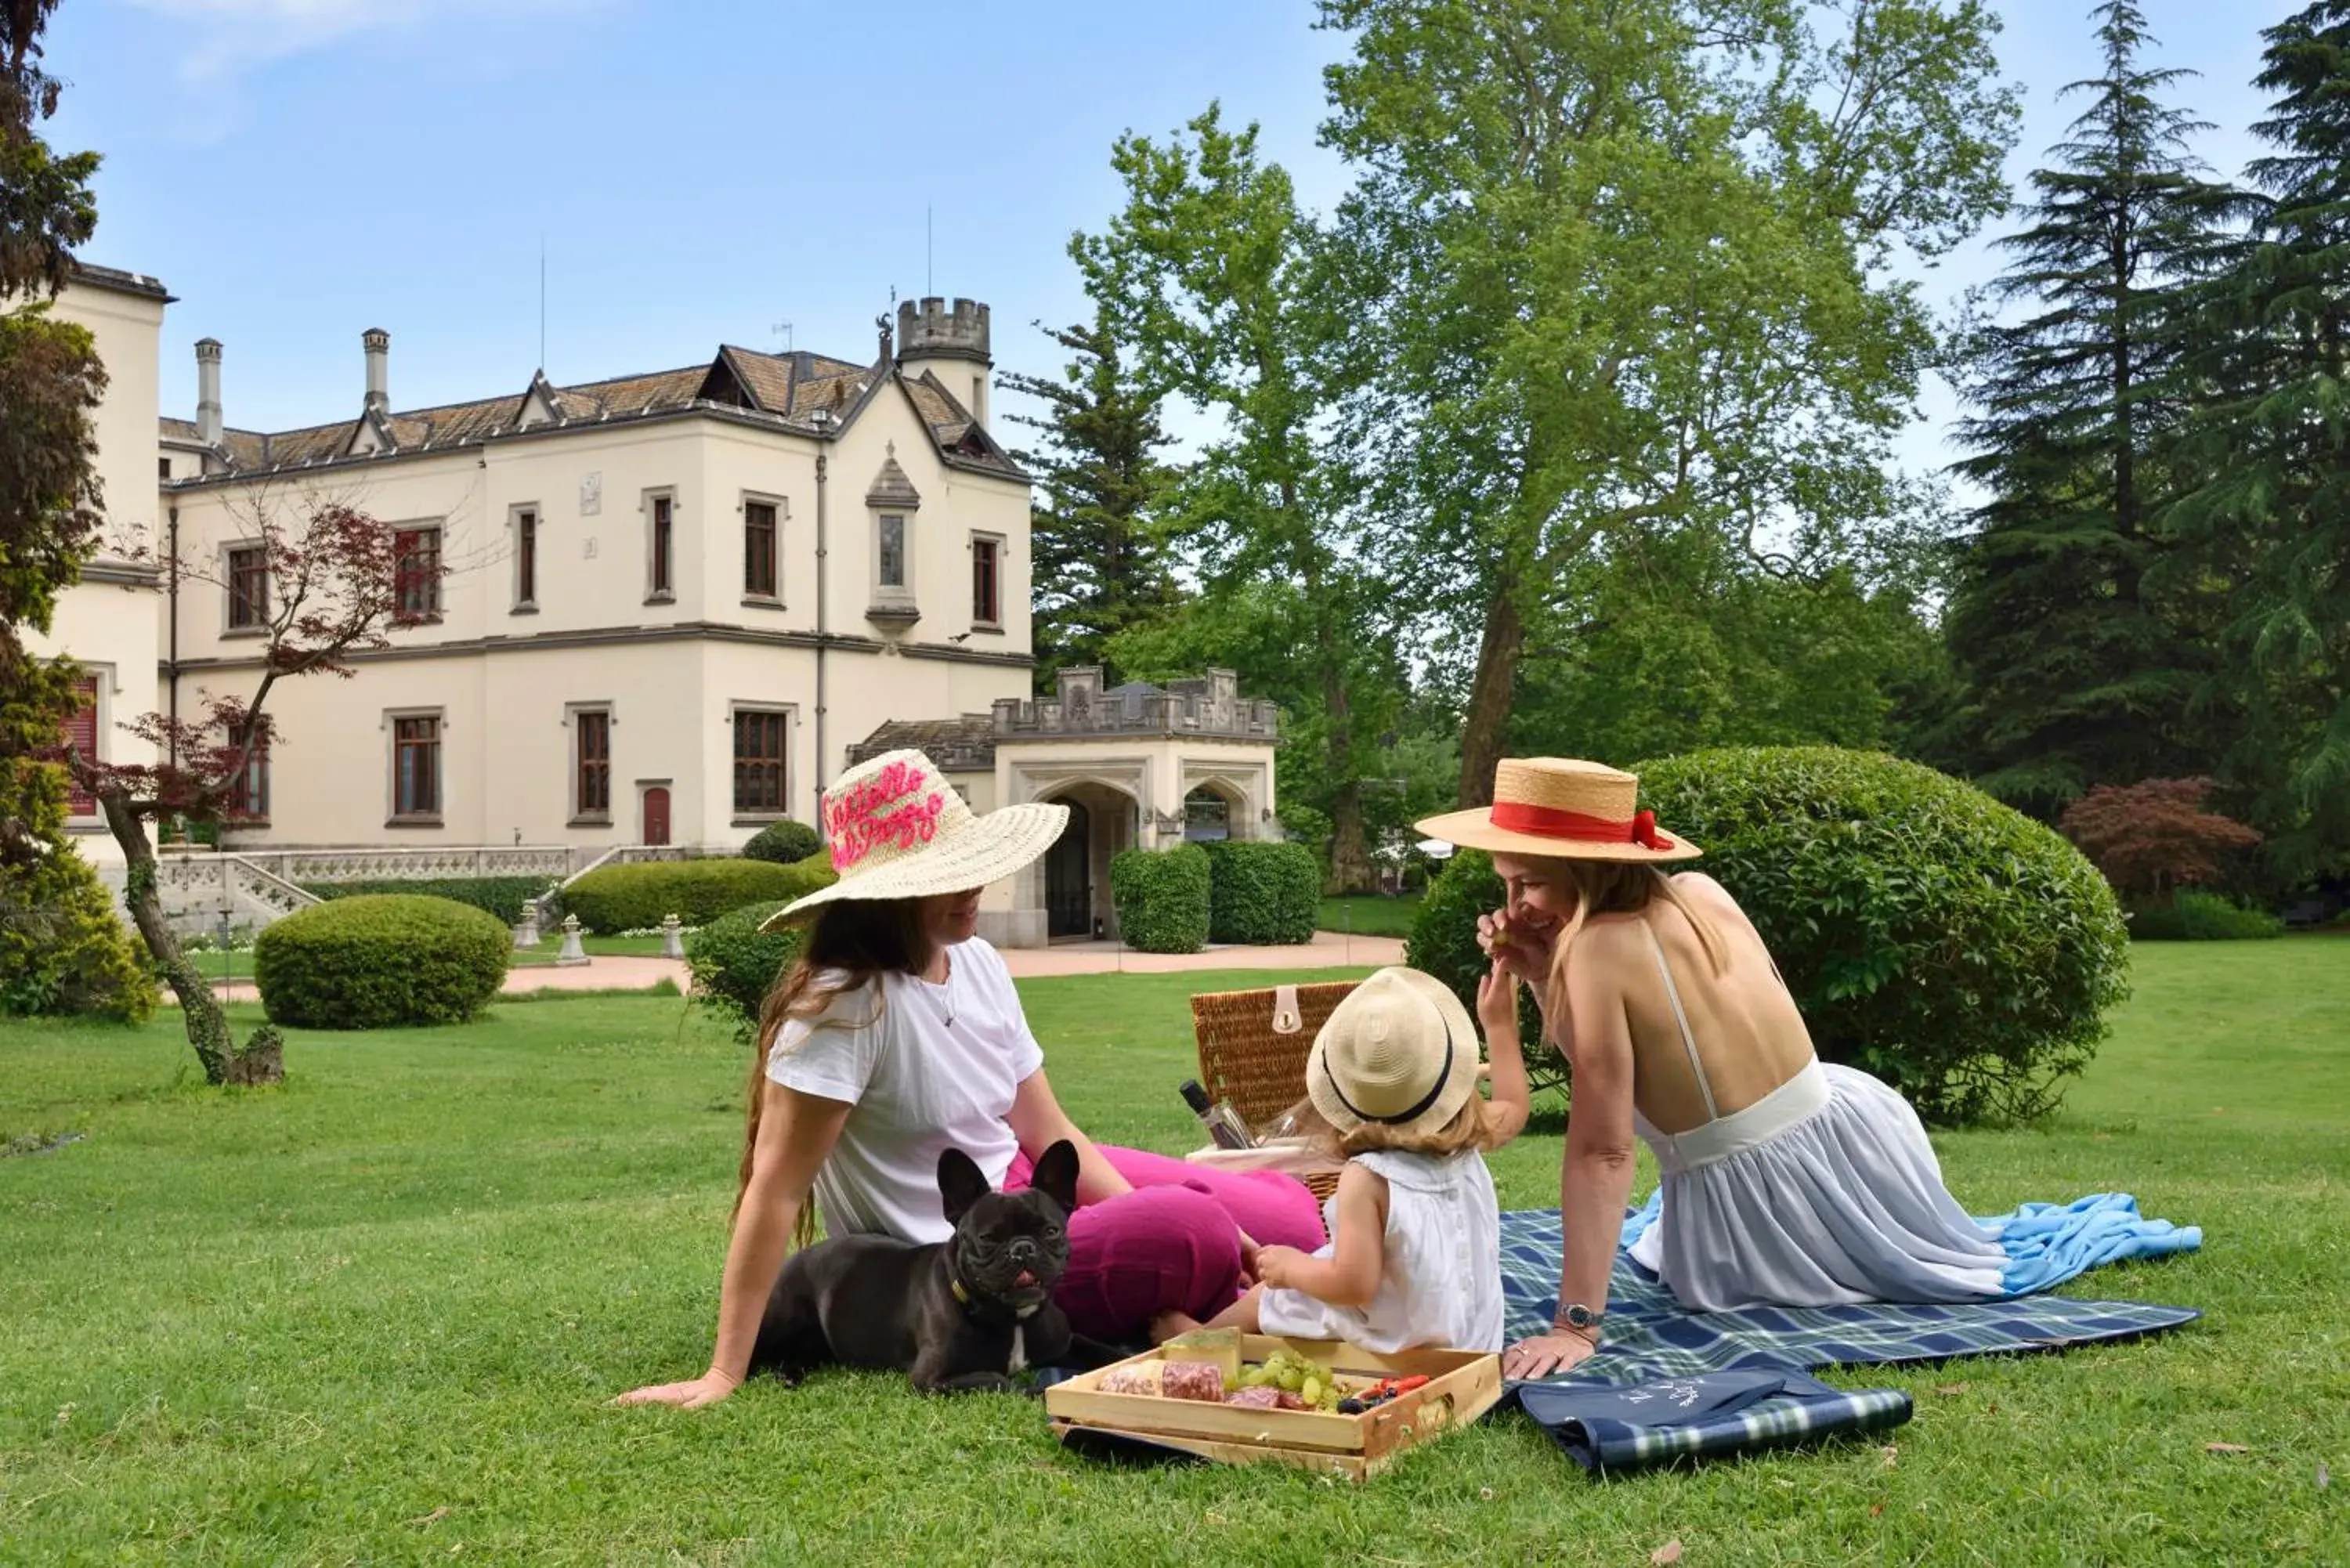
<point>2194,916</point>
<point>734,963</point>
<point>1933,936</point>
<point>62,951</point>
<point>633,898</point>
<point>2155,836</point>
<point>1162,898</point>
<point>785,842</point>
<point>500,896</point>
<point>380,962</point>
<point>1262,894</point>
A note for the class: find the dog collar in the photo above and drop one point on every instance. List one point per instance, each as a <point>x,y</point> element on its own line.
<point>963,1297</point>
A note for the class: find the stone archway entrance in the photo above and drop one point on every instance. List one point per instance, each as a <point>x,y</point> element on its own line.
<point>1068,878</point>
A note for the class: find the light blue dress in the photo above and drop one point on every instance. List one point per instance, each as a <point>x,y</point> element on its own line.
<point>1824,1192</point>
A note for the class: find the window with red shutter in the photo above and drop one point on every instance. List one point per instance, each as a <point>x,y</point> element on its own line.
<point>81,731</point>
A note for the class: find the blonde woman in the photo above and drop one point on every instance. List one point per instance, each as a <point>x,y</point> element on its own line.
<point>1788,1182</point>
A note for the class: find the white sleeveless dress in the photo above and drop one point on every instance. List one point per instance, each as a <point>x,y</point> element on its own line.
<point>1442,1283</point>
<point>1824,1192</point>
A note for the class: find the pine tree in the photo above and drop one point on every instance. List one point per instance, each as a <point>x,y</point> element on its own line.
<point>2075,668</point>
<point>1098,571</point>
<point>2274,518</point>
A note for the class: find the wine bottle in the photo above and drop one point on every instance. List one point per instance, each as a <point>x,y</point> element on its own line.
<point>1225,1128</point>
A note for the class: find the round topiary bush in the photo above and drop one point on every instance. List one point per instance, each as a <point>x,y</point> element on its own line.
<point>785,842</point>
<point>380,962</point>
<point>634,897</point>
<point>1948,944</point>
<point>1162,896</point>
<point>1262,894</point>
<point>734,963</point>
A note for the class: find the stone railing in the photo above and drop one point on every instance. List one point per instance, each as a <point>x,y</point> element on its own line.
<point>1211,706</point>
<point>426,864</point>
<point>197,889</point>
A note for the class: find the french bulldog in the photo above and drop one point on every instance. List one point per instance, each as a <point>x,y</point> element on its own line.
<point>955,1315</point>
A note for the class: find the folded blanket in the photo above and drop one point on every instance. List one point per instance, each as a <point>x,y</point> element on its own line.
<point>1618,1429</point>
<point>2046,1243</point>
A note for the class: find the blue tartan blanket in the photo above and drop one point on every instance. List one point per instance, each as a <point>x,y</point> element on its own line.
<point>1650,1337</point>
<point>1608,1428</point>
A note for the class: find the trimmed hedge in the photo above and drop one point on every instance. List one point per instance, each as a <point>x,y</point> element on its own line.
<point>633,898</point>
<point>1262,894</point>
<point>2195,916</point>
<point>735,964</point>
<point>784,843</point>
<point>1162,898</point>
<point>500,896</point>
<point>1948,944</point>
<point>381,961</point>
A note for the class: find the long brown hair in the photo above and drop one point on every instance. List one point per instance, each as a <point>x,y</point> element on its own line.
<point>1618,887</point>
<point>850,943</point>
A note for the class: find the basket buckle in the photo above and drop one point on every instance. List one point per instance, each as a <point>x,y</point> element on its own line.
<point>1285,1017</point>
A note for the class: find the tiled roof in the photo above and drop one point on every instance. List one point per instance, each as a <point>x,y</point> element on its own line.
<point>793,387</point>
<point>965,745</point>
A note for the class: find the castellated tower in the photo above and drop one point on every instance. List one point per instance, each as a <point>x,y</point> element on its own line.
<point>950,342</point>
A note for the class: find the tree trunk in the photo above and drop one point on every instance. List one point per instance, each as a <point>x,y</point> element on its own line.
<point>1350,858</point>
<point>206,1020</point>
<point>1486,732</point>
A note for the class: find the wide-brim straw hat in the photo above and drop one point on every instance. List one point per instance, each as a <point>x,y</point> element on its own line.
<point>1559,808</point>
<point>897,829</point>
<point>1400,1052</point>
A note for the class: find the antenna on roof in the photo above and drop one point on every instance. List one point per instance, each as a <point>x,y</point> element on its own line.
<point>927,288</point>
<point>542,299</point>
<point>784,331</point>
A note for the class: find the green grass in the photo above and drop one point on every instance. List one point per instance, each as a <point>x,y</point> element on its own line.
<point>1369,915</point>
<point>373,1315</point>
<point>213,966</point>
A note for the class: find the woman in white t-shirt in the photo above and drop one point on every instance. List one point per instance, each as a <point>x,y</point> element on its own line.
<point>896,1034</point>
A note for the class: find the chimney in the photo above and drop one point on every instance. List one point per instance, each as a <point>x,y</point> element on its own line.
<point>378,369</point>
<point>209,425</point>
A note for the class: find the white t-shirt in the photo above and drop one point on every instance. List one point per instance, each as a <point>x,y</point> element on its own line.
<point>928,1067</point>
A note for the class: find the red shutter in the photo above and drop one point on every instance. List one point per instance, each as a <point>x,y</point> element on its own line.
<point>81,731</point>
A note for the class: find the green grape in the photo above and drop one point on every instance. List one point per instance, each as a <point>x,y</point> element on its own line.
<point>1312,1392</point>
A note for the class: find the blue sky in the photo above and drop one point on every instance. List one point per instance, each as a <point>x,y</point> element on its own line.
<point>700,170</point>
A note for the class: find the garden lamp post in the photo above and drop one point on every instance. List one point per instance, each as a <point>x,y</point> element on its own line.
<point>221,935</point>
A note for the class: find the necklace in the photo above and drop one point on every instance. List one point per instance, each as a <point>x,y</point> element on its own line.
<point>942,993</point>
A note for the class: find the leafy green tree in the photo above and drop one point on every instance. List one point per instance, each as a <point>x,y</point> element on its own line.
<point>1099,567</point>
<point>2076,667</point>
<point>1620,262</point>
<point>1221,284</point>
<point>2271,519</point>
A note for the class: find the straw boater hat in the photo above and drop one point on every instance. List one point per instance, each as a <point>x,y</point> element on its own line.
<point>1399,1051</point>
<point>897,829</point>
<point>1560,809</point>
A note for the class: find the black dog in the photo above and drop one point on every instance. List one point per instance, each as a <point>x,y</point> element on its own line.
<point>955,1315</point>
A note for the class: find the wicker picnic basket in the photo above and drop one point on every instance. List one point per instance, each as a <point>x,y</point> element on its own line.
<point>1252,1048</point>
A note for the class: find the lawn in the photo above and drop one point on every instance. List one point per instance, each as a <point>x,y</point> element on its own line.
<point>1369,915</point>
<point>238,964</point>
<point>373,1316</point>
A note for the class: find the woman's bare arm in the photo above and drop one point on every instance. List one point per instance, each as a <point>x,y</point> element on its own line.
<point>797,1133</point>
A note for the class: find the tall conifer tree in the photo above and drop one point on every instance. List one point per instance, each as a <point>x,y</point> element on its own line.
<point>2077,668</point>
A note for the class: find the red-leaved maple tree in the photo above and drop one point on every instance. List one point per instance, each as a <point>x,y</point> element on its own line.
<point>334,586</point>
<point>2153,837</point>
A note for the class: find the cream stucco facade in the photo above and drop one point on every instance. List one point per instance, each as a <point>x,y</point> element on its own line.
<point>111,622</point>
<point>671,607</point>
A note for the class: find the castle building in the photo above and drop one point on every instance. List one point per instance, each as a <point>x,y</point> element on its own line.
<point>668,607</point>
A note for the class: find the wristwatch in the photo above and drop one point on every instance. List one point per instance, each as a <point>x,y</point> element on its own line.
<point>1575,1315</point>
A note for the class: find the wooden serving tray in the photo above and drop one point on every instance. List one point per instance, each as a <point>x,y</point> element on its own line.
<point>1462,1386</point>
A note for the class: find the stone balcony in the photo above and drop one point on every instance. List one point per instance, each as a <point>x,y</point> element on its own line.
<point>1209,707</point>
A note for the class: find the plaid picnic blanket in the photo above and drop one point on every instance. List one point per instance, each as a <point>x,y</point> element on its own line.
<point>1607,1428</point>
<point>1649,1336</point>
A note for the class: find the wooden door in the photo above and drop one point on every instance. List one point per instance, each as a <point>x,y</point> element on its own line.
<point>1068,878</point>
<point>655,816</point>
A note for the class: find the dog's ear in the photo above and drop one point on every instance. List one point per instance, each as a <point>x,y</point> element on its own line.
<point>1056,1176</point>
<point>961,1183</point>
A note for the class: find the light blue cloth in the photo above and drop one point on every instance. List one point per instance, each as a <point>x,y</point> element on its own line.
<point>2046,1243</point>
